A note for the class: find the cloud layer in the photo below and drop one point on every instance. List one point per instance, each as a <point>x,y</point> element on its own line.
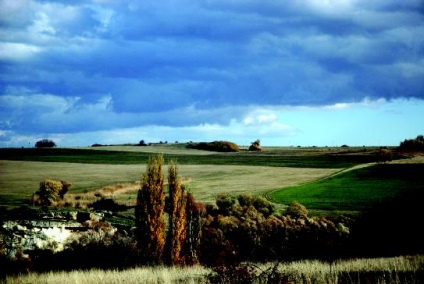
<point>81,66</point>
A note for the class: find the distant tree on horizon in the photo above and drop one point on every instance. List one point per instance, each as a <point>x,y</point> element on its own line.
<point>45,143</point>
<point>255,146</point>
<point>411,145</point>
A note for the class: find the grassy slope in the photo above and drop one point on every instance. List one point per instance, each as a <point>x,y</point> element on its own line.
<point>355,190</point>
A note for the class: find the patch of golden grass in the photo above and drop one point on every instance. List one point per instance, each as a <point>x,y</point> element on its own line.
<point>195,274</point>
<point>204,181</point>
<point>114,191</point>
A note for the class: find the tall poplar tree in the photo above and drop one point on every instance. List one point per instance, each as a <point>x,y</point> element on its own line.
<point>177,230</point>
<point>149,212</point>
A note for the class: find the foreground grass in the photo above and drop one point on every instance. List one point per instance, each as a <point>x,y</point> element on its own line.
<point>146,275</point>
<point>402,269</point>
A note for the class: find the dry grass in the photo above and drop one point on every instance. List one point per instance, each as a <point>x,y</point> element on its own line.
<point>304,271</point>
<point>114,191</point>
<point>21,179</point>
<point>147,275</point>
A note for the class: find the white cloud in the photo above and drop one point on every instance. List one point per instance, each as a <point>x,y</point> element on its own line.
<point>37,103</point>
<point>42,24</point>
<point>17,51</point>
<point>260,118</point>
<point>329,7</point>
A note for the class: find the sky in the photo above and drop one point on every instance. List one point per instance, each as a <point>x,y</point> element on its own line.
<point>289,73</point>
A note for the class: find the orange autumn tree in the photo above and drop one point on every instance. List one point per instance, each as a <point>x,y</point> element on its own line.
<point>177,231</point>
<point>149,212</point>
<point>178,246</point>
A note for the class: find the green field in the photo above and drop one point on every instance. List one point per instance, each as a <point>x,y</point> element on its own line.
<point>356,190</point>
<point>272,157</point>
<point>283,174</point>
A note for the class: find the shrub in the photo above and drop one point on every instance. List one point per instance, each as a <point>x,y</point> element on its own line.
<point>50,192</point>
<point>225,203</point>
<point>218,146</point>
<point>296,210</point>
<point>384,155</point>
<point>255,146</point>
<point>260,203</point>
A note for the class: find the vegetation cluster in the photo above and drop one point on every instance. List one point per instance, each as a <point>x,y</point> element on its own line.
<point>413,145</point>
<point>50,192</point>
<point>217,146</point>
<point>246,228</point>
<point>45,143</point>
<point>255,146</point>
<point>174,242</point>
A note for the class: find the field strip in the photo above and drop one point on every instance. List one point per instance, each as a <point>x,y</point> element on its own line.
<point>22,178</point>
<point>411,160</point>
<point>268,194</point>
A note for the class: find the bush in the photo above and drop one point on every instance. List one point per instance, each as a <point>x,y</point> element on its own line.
<point>296,210</point>
<point>256,146</point>
<point>218,146</point>
<point>50,192</point>
<point>244,229</point>
<point>45,143</point>
<point>260,203</point>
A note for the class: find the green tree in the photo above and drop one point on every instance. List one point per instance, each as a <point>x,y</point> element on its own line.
<point>149,212</point>
<point>45,143</point>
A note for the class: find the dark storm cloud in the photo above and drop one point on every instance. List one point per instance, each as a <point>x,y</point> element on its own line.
<point>100,64</point>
